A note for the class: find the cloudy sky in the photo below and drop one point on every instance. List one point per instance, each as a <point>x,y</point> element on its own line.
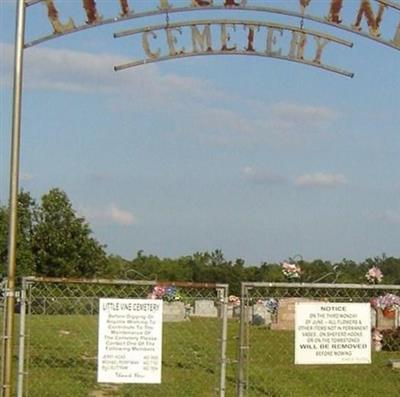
<point>259,157</point>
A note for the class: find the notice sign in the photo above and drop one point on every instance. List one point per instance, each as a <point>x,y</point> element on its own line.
<point>129,348</point>
<point>332,333</point>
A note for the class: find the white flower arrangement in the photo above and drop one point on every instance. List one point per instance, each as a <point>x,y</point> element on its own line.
<point>291,270</point>
<point>374,275</point>
<point>377,338</point>
<point>234,300</point>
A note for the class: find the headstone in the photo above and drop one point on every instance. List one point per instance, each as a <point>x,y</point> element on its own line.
<point>248,313</point>
<point>174,312</point>
<point>230,311</point>
<point>395,364</point>
<point>236,312</point>
<point>261,315</point>
<point>188,310</point>
<point>373,318</point>
<point>285,317</point>
<point>205,308</point>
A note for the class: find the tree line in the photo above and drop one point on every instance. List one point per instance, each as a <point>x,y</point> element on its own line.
<point>54,241</point>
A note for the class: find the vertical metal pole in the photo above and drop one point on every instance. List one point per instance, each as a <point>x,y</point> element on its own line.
<point>224,337</point>
<point>13,204</point>
<point>3,287</point>
<point>21,352</point>
<point>242,344</point>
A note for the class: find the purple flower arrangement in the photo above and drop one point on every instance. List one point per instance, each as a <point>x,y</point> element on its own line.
<point>387,301</point>
<point>166,293</point>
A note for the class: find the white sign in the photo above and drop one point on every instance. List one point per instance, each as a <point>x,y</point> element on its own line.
<point>332,333</point>
<point>129,346</point>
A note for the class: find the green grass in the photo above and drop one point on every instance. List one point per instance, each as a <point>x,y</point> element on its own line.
<point>63,348</point>
<point>272,372</point>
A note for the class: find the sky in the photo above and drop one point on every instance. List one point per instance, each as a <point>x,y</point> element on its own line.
<point>262,158</point>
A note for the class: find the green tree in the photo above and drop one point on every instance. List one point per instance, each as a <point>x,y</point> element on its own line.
<point>63,245</point>
<point>27,210</point>
<point>115,268</point>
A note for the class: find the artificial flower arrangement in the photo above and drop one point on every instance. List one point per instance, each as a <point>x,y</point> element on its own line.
<point>376,339</point>
<point>388,303</point>
<point>167,293</point>
<point>374,275</point>
<point>271,304</point>
<point>234,300</point>
<point>291,271</point>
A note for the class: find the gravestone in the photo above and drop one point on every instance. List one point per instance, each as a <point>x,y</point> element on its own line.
<point>395,364</point>
<point>173,311</point>
<point>233,310</point>
<point>205,308</point>
<point>248,313</point>
<point>285,317</point>
<point>373,318</point>
<point>261,313</point>
<point>236,311</point>
<point>230,311</point>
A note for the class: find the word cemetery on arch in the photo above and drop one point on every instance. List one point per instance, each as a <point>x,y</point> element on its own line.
<point>378,20</point>
<point>215,38</point>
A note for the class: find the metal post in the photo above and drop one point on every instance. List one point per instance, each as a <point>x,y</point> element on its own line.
<point>13,204</point>
<point>241,382</point>
<point>224,337</point>
<point>21,352</point>
<point>3,287</point>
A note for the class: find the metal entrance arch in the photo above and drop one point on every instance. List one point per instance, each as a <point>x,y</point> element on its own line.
<point>368,21</point>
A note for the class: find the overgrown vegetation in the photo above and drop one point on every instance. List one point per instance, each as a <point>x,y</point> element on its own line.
<point>391,339</point>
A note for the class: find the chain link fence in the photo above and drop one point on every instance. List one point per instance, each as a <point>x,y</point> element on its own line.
<point>58,341</point>
<point>61,335</point>
<point>267,344</point>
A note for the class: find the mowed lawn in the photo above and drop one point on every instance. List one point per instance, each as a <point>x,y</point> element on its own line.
<point>62,358</point>
<point>61,352</point>
<point>272,372</point>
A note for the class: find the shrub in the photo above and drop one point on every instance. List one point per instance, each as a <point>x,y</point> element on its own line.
<point>391,339</point>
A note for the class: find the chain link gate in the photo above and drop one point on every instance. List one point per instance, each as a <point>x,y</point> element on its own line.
<point>61,329</point>
<point>266,346</point>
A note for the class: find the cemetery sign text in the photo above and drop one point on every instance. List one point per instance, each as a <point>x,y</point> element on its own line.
<point>378,20</point>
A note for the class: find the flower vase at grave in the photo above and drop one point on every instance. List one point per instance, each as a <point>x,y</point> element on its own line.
<point>389,312</point>
<point>383,321</point>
